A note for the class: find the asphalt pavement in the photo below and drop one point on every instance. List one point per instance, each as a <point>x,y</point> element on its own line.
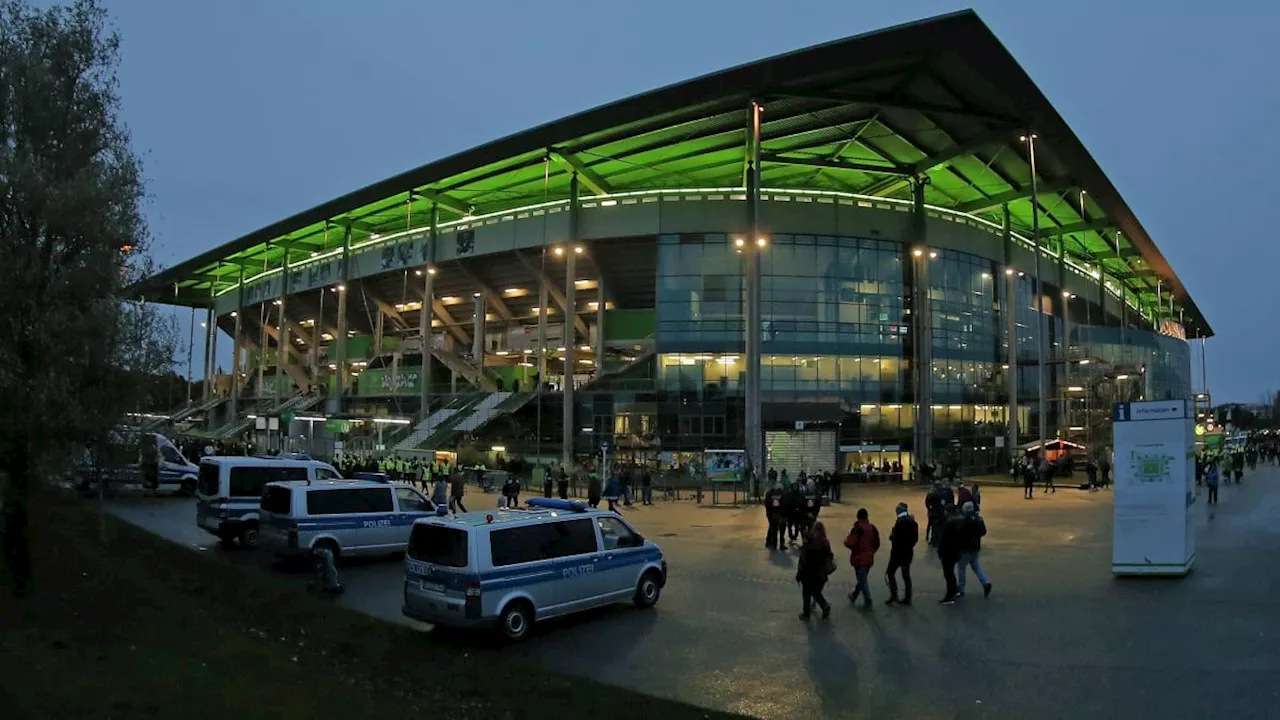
<point>1058,638</point>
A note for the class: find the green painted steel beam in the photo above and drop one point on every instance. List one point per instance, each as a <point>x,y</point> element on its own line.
<point>835,164</point>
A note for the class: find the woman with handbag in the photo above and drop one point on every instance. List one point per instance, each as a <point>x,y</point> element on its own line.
<point>816,565</point>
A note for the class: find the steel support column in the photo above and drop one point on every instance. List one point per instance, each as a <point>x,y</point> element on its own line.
<point>317,330</point>
<point>424,317</point>
<point>752,250</point>
<point>282,331</point>
<point>1011,332</point>
<point>541,364</point>
<point>600,308</point>
<point>1042,381</point>
<point>340,342</point>
<point>235,350</point>
<point>210,333</point>
<point>477,330</point>
<point>570,312</point>
<point>921,324</point>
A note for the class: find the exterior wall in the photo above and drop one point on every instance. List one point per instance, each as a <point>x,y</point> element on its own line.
<point>835,336</point>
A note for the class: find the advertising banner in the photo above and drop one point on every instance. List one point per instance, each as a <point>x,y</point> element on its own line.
<point>1154,488</point>
<point>725,465</point>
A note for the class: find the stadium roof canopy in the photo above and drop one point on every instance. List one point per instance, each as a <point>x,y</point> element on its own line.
<point>941,98</point>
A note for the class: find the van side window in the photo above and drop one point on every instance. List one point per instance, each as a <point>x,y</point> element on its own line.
<point>247,481</point>
<point>324,473</point>
<point>411,501</point>
<point>349,501</point>
<point>616,535</point>
<point>544,541</point>
<point>171,455</point>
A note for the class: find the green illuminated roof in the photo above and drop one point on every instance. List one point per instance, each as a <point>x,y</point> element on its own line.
<point>940,99</point>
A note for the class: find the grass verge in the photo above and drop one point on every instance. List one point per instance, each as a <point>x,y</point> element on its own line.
<point>144,628</point>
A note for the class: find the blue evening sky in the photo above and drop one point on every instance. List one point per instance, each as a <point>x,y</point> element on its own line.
<point>247,111</point>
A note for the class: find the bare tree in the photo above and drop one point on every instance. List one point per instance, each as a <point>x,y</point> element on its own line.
<point>72,239</point>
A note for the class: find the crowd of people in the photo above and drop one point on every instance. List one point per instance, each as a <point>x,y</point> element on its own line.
<point>955,530</point>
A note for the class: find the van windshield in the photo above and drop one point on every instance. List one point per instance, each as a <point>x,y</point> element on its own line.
<point>439,545</point>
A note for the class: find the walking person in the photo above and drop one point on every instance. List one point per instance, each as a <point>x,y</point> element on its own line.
<point>562,483</point>
<point>815,566</point>
<point>1029,481</point>
<point>440,492</point>
<point>972,530</point>
<point>593,489</point>
<point>863,541</point>
<point>1046,475</point>
<point>902,542</point>
<point>1211,480</point>
<point>775,516</point>
<point>612,489</point>
<point>949,553</point>
<point>457,488</point>
<point>646,486</point>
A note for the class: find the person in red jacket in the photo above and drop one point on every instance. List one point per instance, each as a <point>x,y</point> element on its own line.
<point>863,542</point>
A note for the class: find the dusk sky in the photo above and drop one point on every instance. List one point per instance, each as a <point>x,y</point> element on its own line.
<point>247,111</point>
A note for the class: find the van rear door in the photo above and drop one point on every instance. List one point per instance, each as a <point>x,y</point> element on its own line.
<point>208,494</point>
<point>438,572</point>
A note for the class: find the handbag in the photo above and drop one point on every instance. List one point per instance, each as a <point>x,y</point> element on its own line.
<point>830,568</point>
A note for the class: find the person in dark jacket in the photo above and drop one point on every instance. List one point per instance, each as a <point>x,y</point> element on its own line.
<point>972,530</point>
<point>594,489</point>
<point>562,483</point>
<point>949,552</point>
<point>457,488</point>
<point>1029,481</point>
<point>612,489</point>
<point>815,566</point>
<point>863,541</point>
<point>775,515</point>
<point>902,542</point>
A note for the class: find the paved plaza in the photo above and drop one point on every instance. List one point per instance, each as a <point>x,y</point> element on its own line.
<point>1059,637</point>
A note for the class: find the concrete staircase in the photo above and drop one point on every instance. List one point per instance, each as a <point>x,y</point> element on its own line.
<point>295,404</point>
<point>428,425</point>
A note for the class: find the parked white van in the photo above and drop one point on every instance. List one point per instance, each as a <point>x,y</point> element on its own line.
<point>229,492</point>
<point>510,568</point>
<point>350,517</point>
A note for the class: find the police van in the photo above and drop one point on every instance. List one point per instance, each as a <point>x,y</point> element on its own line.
<point>349,517</point>
<point>510,568</point>
<point>229,491</point>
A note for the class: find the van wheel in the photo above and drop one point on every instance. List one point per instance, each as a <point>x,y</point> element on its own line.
<point>249,535</point>
<point>648,590</point>
<point>515,622</point>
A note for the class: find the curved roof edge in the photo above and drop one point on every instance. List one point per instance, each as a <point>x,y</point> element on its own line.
<point>1002,92</point>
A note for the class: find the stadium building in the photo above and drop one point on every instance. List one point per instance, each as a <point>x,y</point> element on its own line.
<point>889,247</point>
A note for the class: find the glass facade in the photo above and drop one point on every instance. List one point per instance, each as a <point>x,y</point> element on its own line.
<point>836,349</point>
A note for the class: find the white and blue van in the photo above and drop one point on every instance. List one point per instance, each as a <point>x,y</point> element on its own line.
<point>176,472</point>
<point>349,517</point>
<point>510,568</point>
<point>229,492</point>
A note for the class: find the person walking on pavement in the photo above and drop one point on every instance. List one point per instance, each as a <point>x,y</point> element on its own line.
<point>902,542</point>
<point>1029,481</point>
<point>593,489</point>
<point>949,553</point>
<point>440,492</point>
<point>646,486</point>
<point>776,517</point>
<point>612,489</point>
<point>1046,475</point>
<point>863,541</point>
<point>815,566</point>
<point>972,530</point>
<point>457,488</point>
<point>1211,480</point>
<point>562,483</point>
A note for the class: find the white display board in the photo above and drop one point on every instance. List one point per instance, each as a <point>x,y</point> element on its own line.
<point>1154,446</point>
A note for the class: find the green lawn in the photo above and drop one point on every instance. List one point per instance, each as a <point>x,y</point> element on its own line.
<point>143,628</point>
